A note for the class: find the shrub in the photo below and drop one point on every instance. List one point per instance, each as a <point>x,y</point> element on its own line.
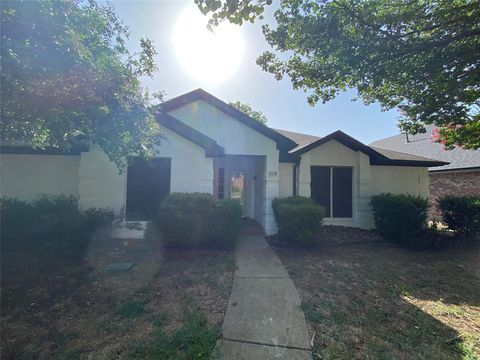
<point>197,219</point>
<point>461,214</point>
<point>16,220</point>
<point>226,223</point>
<point>50,225</point>
<point>184,219</point>
<point>399,217</point>
<point>59,225</point>
<point>298,218</point>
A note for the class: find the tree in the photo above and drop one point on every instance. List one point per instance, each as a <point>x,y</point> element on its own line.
<point>247,109</point>
<point>67,79</point>
<point>421,56</point>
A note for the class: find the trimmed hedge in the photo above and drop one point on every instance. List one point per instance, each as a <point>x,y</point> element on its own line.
<point>399,217</point>
<point>227,220</point>
<point>461,214</point>
<point>183,218</point>
<point>198,219</point>
<point>51,225</point>
<point>298,218</point>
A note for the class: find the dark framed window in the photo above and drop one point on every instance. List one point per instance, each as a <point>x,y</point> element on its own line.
<point>342,192</point>
<point>221,183</point>
<point>332,187</point>
<point>320,186</point>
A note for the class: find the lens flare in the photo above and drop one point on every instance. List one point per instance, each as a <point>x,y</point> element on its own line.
<point>208,57</point>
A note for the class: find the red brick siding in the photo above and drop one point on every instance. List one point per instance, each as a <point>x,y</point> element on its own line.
<point>466,183</point>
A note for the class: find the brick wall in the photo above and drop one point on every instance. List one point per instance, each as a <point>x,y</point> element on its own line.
<point>462,183</point>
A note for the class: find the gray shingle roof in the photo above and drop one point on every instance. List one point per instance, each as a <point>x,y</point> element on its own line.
<point>300,138</point>
<point>422,145</point>
<point>395,155</point>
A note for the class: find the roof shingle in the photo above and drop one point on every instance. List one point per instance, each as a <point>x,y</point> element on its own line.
<point>300,138</point>
<point>422,145</point>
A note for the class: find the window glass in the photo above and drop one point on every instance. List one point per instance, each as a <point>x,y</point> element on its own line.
<point>332,188</point>
<point>342,192</point>
<point>221,183</point>
<point>320,186</point>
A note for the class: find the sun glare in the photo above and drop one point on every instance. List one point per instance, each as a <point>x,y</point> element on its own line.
<point>208,57</point>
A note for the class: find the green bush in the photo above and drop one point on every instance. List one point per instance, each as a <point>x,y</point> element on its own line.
<point>461,214</point>
<point>50,225</point>
<point>184,219</point>
<point>16,220</point>
<point>197,219</point>
<point>226,223</point>
<point>298,218</point>
<point>399,217</point>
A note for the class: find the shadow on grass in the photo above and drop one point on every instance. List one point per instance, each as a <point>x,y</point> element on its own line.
<point>450,273</point>
<point>384,302</point>
<point>59,309</point>
<point>377,334</point>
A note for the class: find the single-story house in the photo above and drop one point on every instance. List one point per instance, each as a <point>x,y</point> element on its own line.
<point>211,147</point>
<point>460,177</point>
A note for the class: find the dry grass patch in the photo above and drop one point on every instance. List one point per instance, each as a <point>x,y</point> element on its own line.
<point>378,301</point>
<point>53,309</point>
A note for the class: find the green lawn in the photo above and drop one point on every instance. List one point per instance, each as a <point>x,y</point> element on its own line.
<point>378,301</point>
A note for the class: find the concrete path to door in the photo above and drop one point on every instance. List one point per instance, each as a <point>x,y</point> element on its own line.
<point>264,319</point>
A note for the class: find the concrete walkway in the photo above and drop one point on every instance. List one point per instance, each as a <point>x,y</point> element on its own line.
<point>263,319</point>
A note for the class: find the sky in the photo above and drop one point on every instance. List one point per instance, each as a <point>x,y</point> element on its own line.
<point>284,107</point>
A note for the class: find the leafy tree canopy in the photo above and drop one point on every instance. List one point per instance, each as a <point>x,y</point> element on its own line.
<point>67,79</point>
<point>247,109</point>
<point>421,56</point>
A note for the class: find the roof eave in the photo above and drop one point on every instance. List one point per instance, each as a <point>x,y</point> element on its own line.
<point>30,150</point>
<point>457,169</point>
<point>286,157</point>
<point>212,149</point>
<point>413,163</point>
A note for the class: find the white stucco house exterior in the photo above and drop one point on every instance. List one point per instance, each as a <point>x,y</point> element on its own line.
<point>211,147</point>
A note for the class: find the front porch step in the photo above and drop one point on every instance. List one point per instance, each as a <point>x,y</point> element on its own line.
<point>129,230</point>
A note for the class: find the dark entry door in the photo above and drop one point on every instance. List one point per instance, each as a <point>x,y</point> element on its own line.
<point>148,183</point>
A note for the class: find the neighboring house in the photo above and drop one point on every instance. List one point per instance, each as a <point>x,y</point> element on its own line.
<point>212,147</point>
<point>461,176</point>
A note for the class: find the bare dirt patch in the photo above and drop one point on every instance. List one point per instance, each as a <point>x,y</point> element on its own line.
<point>52,309</point>
<point>379,301</point>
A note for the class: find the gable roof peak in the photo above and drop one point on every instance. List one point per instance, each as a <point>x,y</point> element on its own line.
<point>377,156</point>
<point>282,141</point>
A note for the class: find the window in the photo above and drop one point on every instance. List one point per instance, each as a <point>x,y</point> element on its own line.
<point>342,192</point>
<point>221,183</point>
<point>332,187</point>
<point>237,187</point>
<point>320,187</point>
